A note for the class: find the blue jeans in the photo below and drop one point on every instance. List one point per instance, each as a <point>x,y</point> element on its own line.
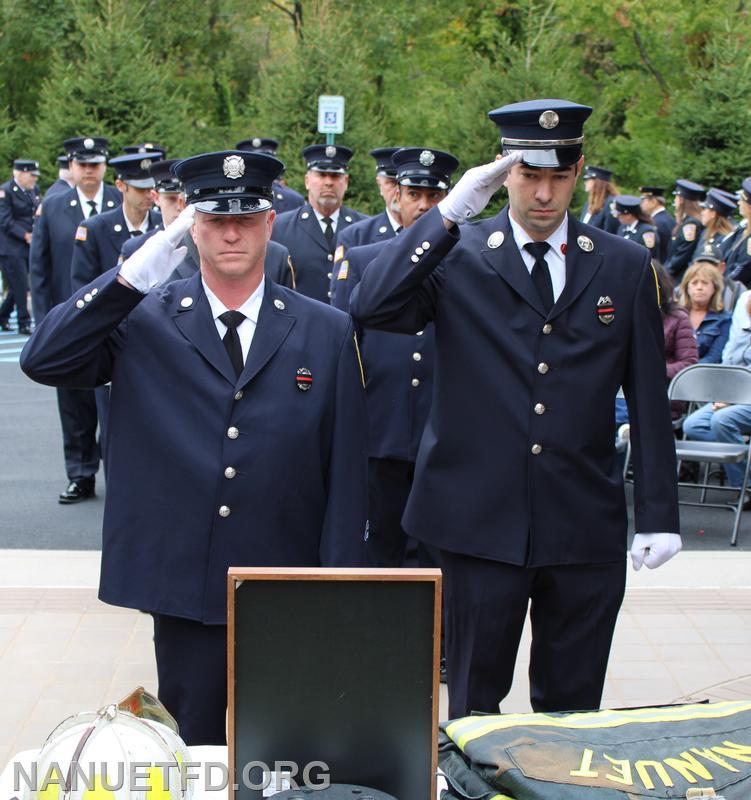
<point>724,425</point>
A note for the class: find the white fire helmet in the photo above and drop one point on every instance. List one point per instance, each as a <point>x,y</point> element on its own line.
<point>110,754</point>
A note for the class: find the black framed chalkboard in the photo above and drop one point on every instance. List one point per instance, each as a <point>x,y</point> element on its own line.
<point>335,672</point>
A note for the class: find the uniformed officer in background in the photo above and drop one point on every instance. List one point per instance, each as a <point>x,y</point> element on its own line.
<point>309,232</point>
<point>169,195</point>
<point>19,198</point>
<point>737,249</point>
<point>64,179</point>
<point>159,152</point>
<point>237,430</point>
<point>398,367</point>
<point>653,203</point>
<point>372,229</point>
<point>636,224</point>
<point>601,191</point>
<point>716,214</point>
<point>50,260</point>
<point>539,319</point>
<point>687,230</point>
<point>285,198</point>
<point>100,239</point>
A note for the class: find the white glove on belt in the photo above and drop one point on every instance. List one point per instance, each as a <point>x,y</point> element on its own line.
<point>475,188</point>
<point>654,549</point>
<point>155,261</point>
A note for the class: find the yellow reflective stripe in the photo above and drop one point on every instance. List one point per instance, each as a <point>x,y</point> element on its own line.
<point>466,730</point>
<point>657,284</point>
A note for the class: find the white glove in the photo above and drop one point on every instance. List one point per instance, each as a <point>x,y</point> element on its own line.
<point>654,549</point>
<point>155,261</point>
<point>475,188</point>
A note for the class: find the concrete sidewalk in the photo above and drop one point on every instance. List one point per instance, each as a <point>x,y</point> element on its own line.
<point>684,632</point>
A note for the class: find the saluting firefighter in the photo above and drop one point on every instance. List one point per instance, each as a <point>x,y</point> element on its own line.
<point>635,224</point>
<point>237,425</point>
<point>398,367</point>
<point>688,227</point>
<point>285,198</point>
<point>309,232</point>
<point>169,196</point>
<point>539,319</point>
<point>379,228</point>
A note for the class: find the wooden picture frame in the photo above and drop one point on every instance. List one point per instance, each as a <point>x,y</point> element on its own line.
<point>339,666</point>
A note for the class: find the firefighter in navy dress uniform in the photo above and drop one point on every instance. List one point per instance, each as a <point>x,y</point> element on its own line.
<point>687,230</point>
<point>310,232</point>
<point>598,208</point>
<point>19,199</point>
<point>398,367</point>
<point>50,261</point>
<point>539,319</point>
<point>237,425</point>
<point>653,203</point>
<point>636,224</point>
<point>717,209</point>
<point>285,198</point>
<point>379,228</point>
<point>737,249</point>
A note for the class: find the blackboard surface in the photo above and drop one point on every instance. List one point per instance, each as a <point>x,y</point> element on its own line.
<point>340,671</point>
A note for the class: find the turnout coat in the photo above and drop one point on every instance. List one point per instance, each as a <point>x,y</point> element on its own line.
<point>517,463</point>
<point>206,470</point>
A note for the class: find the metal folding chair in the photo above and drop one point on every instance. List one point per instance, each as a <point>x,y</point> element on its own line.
<point>711,383</point>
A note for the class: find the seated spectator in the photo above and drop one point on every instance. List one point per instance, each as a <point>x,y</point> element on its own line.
<point>701,295</point>
<point>680,344</point>
<point>720,422</point>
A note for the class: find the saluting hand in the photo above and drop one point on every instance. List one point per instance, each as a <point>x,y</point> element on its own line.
<point>475,188</point>
<point>155,261</point>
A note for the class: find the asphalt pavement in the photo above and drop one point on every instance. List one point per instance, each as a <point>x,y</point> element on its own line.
<point>32,474</point>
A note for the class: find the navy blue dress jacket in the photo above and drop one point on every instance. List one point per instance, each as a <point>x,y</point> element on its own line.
<point>179,418</point>
<point>518,463</point>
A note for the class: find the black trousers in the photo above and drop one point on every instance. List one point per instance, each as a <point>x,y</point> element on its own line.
<point>16,275</point>
<point>191,663</point>
<point>389,485</point>
<point>573,613</point>
<point>78,418</point>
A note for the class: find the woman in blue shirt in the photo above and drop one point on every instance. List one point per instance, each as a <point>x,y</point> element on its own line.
<point>701,294</point>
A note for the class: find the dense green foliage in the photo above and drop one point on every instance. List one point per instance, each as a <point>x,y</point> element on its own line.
<point>670,81</point>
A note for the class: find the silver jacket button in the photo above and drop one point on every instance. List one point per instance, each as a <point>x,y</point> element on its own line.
<point>547,328</point>
<point>539,408</point>
<point>224,511</point>
<point>415,382</point>
<point>416,356</point>
<point>536,449</point>
<point>239,394</point>
<point>233,432</point>
<point>542,368</point>
<point>230,473</point>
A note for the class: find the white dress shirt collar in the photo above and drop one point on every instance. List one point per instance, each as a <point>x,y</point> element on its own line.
<point>555,258</point>
<point>84,201</point>
<point>251,308</point>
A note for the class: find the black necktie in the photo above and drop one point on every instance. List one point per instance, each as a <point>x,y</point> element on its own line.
<point>232,339</point>
<point>328,231</point>
<point>541,273</point>
<point>92,206</point>
<point>136,233</point>
<point>399,229</point>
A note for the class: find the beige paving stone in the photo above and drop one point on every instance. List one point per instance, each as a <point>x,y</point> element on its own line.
<point>83,671</point>
<point>47,638</point>
<point>718,636</point>
<point>50,620</point>
<point>692,676</point>
<point>635,635</point>
<point>651,620</point>
<point>11,619</point>
<point>632,652</point>
<point>685,634</point>
<point>642,692</point>
<point>685,652</point>
<point>87,693</point>
<point>652,670</point>
<point>107,621</point>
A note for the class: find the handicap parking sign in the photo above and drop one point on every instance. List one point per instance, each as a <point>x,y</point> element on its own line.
<point>330,114</point>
